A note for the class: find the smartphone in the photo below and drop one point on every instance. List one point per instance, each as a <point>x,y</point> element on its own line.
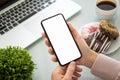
<point>61,39</point>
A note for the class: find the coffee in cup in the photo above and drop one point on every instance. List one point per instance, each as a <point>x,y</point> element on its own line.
<point>105,9</point>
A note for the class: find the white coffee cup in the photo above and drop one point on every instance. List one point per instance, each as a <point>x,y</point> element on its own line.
<point>106,9</point>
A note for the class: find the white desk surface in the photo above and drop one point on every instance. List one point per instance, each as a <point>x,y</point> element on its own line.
<point>44,65</point>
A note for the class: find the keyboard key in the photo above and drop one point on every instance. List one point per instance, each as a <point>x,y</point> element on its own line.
<point>10,27</point>
<point>1,32</point>
<point>15,24</point>
<point>20,13</point>
<point>2,27</point>
<point>26,17</point>
<point>6,30</point>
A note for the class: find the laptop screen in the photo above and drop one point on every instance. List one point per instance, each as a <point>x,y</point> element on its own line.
<point>5,3</point>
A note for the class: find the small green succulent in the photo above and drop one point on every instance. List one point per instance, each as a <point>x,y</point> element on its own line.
<point>15,64</point>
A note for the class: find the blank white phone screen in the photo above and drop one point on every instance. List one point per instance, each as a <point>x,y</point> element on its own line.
<point>61,39</point>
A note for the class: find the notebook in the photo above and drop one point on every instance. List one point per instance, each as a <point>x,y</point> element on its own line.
<point>20,19</point>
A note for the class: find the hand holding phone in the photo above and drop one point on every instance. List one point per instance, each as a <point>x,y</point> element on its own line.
<point>61,39</point>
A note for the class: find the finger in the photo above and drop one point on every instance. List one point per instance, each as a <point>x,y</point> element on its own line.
<point>70,71</point>
<point>43,35</point>
<point>47,42</point>
<point>76,74</point>
<point>74,78</point>
<point>54,59</point>
<point>78,69</point>
<point>50,50</point>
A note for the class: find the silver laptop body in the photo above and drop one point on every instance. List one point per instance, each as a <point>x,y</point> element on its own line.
<point>20,21</point>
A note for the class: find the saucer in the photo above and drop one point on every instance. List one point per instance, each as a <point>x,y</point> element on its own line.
<point>115,44</point>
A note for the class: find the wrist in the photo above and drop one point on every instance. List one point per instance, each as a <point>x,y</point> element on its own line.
<point>91,58</point>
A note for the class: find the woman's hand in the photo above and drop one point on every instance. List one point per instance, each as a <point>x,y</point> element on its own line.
<point>88,55</point>
<point>70,72</point>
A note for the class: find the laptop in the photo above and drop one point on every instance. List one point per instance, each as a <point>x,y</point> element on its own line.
<point>20,19</point>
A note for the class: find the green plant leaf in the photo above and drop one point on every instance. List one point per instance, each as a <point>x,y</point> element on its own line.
<point>15,64</point>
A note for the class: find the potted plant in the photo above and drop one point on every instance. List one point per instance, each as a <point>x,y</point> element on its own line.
<point>15,64</point>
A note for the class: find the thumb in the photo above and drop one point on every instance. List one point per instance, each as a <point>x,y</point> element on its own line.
<point>75,34</point>
<point>73,30</point>
<point>70,71</point>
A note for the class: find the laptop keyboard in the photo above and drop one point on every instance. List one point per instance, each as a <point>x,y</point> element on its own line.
<point>20,13</point>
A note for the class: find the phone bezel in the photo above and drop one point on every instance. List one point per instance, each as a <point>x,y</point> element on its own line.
<point>51,43</point>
